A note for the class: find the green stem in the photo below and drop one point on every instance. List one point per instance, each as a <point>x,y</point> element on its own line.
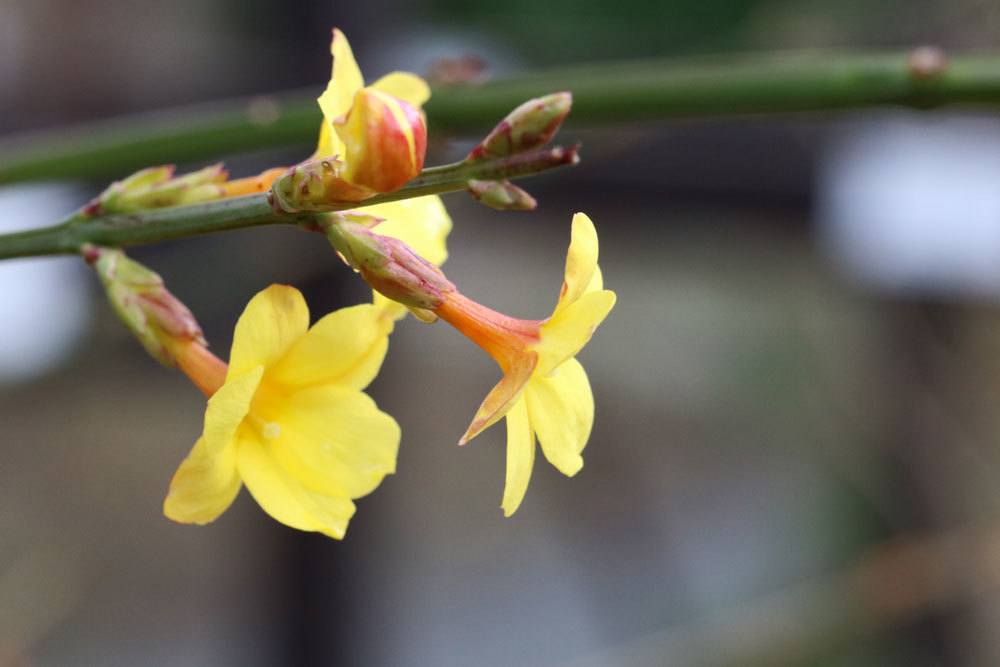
<point>603,92</point>
<point>164,224</point>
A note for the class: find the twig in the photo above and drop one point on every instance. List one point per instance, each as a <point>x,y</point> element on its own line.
<point>253,210</point>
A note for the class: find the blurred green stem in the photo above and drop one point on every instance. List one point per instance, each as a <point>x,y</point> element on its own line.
<point>177,222</point>
<point>604,93</point>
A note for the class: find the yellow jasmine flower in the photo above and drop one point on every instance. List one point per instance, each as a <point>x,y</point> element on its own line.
<point>372,138</point>
<point>544,392</point>
<point>422,222</point>
<point>379,130</point>
<point>290,420</point>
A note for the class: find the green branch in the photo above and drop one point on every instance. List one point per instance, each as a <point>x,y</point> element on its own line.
<point>164,224</point>
<point>603,93</point>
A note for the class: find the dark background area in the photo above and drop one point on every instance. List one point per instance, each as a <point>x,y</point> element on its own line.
<point>796,448</point>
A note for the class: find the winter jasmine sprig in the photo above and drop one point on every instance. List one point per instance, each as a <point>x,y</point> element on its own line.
<point>165,224</point>
<point>370,152</point>
<point>286,415</point>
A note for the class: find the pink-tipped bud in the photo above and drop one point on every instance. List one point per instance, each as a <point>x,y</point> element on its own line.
<point>155,316</point>
<point>529,126</point>
<point>502,195</point>
<point>387,264</point>
<point>157,187</point>
<point>385,139</point>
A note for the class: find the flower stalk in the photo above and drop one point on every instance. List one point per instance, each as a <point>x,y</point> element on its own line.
<point>164,224</point>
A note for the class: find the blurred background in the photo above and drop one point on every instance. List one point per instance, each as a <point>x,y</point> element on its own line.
<point>796,453</point>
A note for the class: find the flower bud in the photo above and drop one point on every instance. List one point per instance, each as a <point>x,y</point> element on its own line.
<point>385,141</point>
<point>387,264</point>
<point>315,185</point>
<point>527,127</point>
<point>155,316</point>
<point>502,195</point>
<point>156,187</point>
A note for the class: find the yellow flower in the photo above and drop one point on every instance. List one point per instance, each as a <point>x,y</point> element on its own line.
<point>422,222</point>
<point>544,391</point>
<point>290,420</point>
<point>378,131</point>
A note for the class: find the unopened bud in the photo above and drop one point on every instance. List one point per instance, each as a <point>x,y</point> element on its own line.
<point>502,195</point>
<point>315,185</point>
<point>387,264</point>
<point>527,127</point>
<point>385,141</point>
<point>155,316</point>
<point>156,187</point>
<point>147,177</point>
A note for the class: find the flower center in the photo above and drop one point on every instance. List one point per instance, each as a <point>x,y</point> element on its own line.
<point>271,430</point>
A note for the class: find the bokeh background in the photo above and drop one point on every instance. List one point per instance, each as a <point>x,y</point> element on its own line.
<point>796,455</point>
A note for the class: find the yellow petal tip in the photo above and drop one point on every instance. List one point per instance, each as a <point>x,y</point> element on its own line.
<point>510,506</point>
<point>475,428</point>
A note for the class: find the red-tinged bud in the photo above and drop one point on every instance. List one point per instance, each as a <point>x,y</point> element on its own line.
<point>315,185</point>
<point>502,195</point>
<point>157,187</point>
<point>529,126</point>
<point>155,316</point>
<point>387,264</point>
<point>385,140</point>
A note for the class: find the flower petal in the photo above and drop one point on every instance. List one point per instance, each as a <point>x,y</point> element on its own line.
<point>500,399</point>
<point>227,408</point>
<point>406,86</point>
<point>570,328</point>
<point>385,141</point>
<point>520,457</point>
<point>392,309</point>
<point>283,496</point>
<point>581,261</point>
<point>345,348</point>
<point>332,439</point>
<point>273,320</point>
<point>204,485</point>
<point>206,482</point>
<point>561,407</point>
<point>336,100</point>
<point>422,223</point>
<point>329,143</point>
<point>596,283</point>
